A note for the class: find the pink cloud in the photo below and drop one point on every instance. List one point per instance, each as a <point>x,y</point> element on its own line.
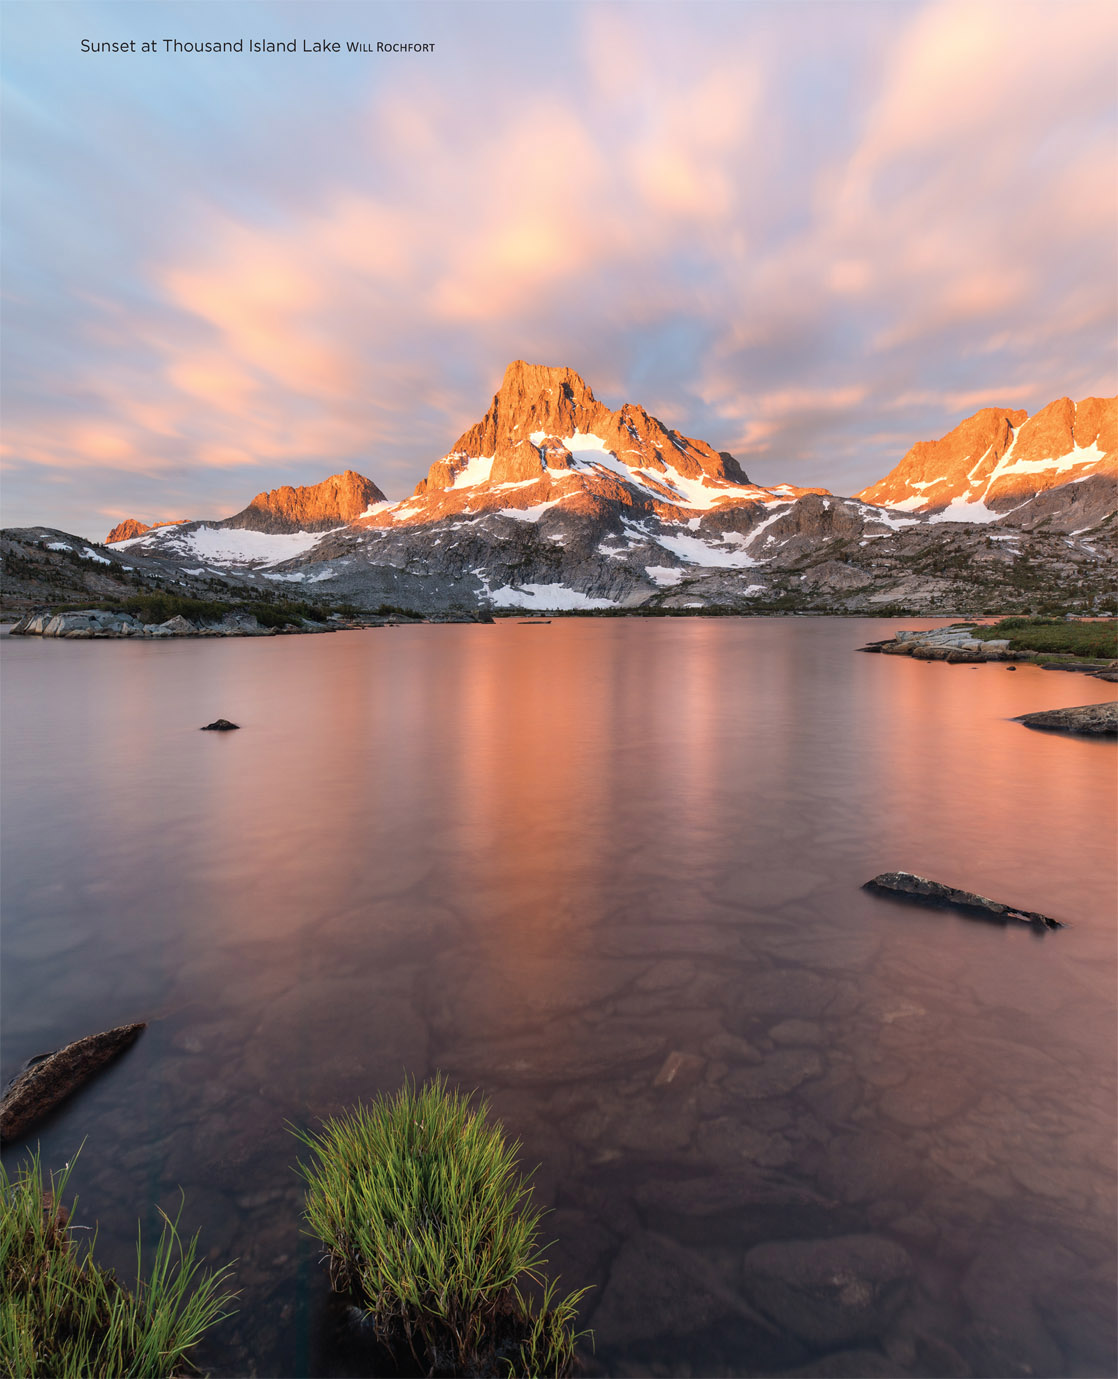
<point>684,211</point>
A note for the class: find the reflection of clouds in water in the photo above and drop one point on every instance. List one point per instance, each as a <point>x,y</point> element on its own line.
<point>544,860</point>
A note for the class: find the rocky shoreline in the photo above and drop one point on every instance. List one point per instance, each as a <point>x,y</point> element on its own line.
<point>99,623</point>
<point>957,645</point>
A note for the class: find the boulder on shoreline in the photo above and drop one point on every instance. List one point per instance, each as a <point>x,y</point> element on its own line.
<point>1087,720</point>
<point>919,888</point>
<point>957,645</point>
<point>59,1074</point>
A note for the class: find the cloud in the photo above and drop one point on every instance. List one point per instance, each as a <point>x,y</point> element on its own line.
<point>773,233</point>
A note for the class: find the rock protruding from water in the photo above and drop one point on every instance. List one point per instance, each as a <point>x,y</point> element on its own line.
<point>956,644</point>
<point>921,889</point>
<point>828,1293</point>
<point>43,1087</point>
<point>219,725</point>
<point>1088,720</point>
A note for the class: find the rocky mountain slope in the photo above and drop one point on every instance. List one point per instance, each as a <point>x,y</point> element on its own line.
<point>553,501</point>
<point>1000,464</point>
<point>340,499</point>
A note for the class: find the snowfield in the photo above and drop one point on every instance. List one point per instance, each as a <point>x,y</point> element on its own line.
<point>227,545</point>
<point>545,597</point>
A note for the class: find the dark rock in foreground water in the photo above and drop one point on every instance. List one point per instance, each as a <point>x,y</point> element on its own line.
<point>39,1090</point>
<point>1092,720</point>
<point>829,1292</point>
<point>219,725</point>
<point>920,889</point>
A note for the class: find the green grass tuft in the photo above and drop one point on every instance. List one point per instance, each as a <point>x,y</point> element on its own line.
<point>429,1227</point>
<point>63,1317</point>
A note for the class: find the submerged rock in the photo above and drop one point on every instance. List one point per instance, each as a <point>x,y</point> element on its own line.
<point>920,889</point>
<point>219,725</point>
<point>679,1070</point>
<point>1090,720</point>
<point>657,1287</point>
<point>43,1087</point>
<point>829,1293</point>
<point>779,1073</point>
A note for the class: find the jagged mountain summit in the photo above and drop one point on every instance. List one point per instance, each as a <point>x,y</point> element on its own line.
<point>1000,463</point>
<point>547,439</point>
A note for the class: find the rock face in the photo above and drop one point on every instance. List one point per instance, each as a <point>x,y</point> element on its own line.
<point>126,530</point>
<point>997,461</point>
<point>1089,720</point>
<point>336,501</point>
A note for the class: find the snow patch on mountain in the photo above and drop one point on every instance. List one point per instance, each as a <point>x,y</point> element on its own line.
<point>546,597</point>
<point>1080,454</point>
<point>476,470</point>
<point>664,575</point>
<point>532,514</point>
<point>960,510</point>
<point>697,552</point>
<point>226,545</point>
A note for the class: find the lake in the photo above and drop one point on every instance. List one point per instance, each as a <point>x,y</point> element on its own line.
<point>543,859</point>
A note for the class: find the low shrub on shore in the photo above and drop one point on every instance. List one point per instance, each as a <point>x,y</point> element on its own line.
<point>159,608</point>
<point>63,1317</point>
<point>428,1226</point>
<point>1097,640</point>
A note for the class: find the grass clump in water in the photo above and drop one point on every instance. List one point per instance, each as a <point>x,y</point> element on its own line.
<point>63,1317</point>
<point>428,1225</point>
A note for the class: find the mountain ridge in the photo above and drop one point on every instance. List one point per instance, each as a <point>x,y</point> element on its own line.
<point>997,460</point>
<point>553,500</point>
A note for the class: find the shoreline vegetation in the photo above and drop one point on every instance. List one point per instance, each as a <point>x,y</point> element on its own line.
<point>1089,646</point>
<point>64,1317</point>
<point>173,615</point>
<point>429,1229</point>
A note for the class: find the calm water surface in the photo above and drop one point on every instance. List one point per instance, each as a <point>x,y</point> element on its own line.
<point>543,859</point>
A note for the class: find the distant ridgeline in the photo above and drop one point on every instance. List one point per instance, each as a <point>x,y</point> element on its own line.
<point>553,501</point>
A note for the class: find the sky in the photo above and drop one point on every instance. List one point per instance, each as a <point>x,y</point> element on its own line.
<point>808,233</point>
